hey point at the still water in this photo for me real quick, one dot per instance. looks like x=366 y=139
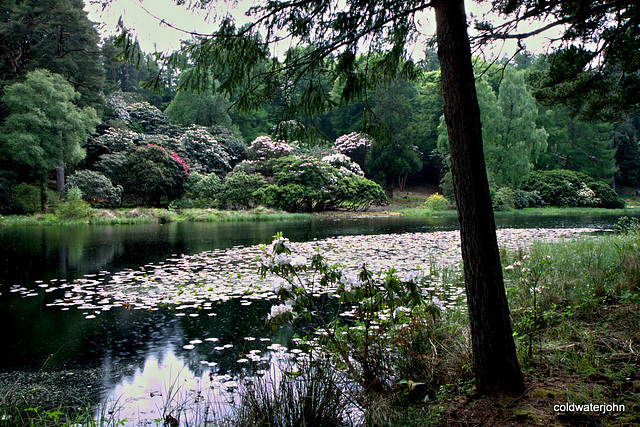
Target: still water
x=42 y=324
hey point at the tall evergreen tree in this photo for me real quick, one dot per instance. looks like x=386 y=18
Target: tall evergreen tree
x=55 y=35
x=577 y=145
x=394 y=154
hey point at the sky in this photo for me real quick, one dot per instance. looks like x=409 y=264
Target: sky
x=145 y=18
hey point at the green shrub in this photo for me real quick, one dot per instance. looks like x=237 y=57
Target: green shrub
x=572 y=189
x=437 y=202
x=96 y=188
x=74 y=207
x=608 y=198
x=307 y=184
x=502 y=199
x=9 y=204
x=239 y=188
x=201 y=191
x=154 y=174
x=527 y=199
x=112 y=166
x=28 y=196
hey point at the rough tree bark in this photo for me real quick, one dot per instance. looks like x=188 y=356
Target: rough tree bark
x=494 y=354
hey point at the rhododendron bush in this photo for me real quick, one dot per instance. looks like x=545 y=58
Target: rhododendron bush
x=355 y=145
x=263 y=147
x=305 y=184
x=154 y=175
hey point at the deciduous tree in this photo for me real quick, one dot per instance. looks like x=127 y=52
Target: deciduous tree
x=45 y=129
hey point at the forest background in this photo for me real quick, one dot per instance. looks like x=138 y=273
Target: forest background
x=92 y=124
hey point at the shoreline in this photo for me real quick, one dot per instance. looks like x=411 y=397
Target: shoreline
x=162 y=215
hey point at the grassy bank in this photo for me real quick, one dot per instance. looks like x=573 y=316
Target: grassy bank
x=158 y=215
x=549 y=211
x=152 y=215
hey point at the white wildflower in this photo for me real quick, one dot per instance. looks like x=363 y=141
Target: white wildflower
x=279 y=310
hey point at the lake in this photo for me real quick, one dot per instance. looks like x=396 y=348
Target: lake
x=147 y=306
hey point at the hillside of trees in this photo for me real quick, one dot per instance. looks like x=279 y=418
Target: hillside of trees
x=75 y=112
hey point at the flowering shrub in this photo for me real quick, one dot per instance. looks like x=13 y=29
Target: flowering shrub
x=339 y=160
x=95 y=187
x=145 y=118
x=437 y=202
x=115 y=140
x=355 y=145
x=379 y=303
x=569 y=188
x=153 y=173
x=205 y=151
x=263 y=147
x=353 y=141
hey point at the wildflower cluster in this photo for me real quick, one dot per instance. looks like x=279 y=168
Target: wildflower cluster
x=263 y=147
x=352 y=141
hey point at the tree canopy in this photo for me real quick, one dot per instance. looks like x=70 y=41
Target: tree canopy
x=45 y=129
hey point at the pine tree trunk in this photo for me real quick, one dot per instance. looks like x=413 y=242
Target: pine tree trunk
x=494 y=355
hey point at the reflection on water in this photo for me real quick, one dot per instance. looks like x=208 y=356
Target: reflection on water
x=165 y=386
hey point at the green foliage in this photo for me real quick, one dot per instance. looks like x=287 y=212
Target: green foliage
x=111 y=165
x=503 y=199
x=309 y=393
x=625 y=137
x=394 y=154
x=627 y=225
x=567 y=188
x=592 y=88
x=239 y=189
x=204 y=109
x=8 y=202
x=437 y=202
x=577 y=145
x=44 y=129
x=527 y=199
x=307 y=184
x=511 y=139
x=74 y=207
x=28 y=196
x=96 y=188
x=154 y=174
x=201 y=191
x=55 y=35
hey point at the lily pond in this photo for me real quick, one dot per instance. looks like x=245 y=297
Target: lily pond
x=143 y=317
